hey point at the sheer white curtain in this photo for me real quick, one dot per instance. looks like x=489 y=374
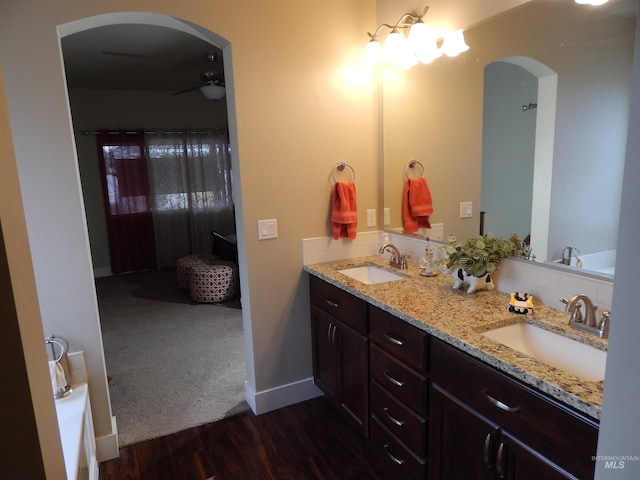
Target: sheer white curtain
x=190 y=180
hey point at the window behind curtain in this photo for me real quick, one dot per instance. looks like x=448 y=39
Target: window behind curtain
x=191 y=180
x=123 y=167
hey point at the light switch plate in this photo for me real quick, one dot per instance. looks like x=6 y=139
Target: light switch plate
x=267 y=229
x=371 y=217
x=466 y=209
x=387 y=216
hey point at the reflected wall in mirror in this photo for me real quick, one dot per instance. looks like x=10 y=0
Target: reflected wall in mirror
x=434 y=114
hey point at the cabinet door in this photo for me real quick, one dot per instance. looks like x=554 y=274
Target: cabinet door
x=463 y=444
x=326 y=358
x=354 y=375
x=340 y=366
x=517 y=461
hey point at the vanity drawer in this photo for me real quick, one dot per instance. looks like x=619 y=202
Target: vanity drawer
x=405 y=384
x=342 y=305
x=398 y=462
x=553 y=429
x=400 y=339
x=399 y=420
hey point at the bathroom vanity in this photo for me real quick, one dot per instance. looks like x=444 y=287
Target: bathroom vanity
x=407 y=363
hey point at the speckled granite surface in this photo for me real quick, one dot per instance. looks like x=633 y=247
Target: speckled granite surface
x=459 y=318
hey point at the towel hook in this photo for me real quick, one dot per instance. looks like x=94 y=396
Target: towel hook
x=412 y=164
x=340 y=167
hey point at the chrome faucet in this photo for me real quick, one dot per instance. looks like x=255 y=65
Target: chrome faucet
x=397 y=259
x=587 y=322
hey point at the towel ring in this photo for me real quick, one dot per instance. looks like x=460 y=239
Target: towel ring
x=412 y=164
x=340 y=167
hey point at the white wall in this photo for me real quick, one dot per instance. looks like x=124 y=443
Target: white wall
x=620 y=422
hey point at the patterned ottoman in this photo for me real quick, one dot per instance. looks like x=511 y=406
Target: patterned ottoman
x=184 y=264
x=212 y=282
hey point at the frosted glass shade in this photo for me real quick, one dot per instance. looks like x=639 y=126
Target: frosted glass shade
x=454 y=43
x=373 y=54
x=213 y=92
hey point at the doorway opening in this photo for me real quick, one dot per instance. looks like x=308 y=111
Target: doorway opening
x=120 y=76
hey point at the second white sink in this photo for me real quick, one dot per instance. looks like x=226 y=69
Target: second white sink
x=581 y=360
x=371 y=274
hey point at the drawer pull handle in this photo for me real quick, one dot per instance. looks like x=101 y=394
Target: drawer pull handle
x=397 y=383
x=487 y=451
x=499 y=404
x=332 y=303
x=394 y=459
x=394 y=420
x=500 y=462
x=393 y=339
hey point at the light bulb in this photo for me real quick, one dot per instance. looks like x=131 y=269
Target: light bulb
x=418 y=34
x=373 y=54
x=394 y=45
x=454 y=43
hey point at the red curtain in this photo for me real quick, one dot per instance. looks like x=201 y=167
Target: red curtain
x=125 y=182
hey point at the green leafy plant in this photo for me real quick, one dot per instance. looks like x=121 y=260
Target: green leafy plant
x=479 y=255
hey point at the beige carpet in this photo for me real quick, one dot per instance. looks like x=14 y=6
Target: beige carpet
x=173 y=365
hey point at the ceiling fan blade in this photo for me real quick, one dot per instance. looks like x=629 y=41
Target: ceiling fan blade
x=186 y=90
x=125 y=54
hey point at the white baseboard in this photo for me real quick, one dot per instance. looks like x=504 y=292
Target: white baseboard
x=282 y=396
x=107 y=445
x=102 y=272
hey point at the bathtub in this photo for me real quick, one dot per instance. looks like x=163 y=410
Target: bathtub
x=75 y=424
x=600 y=262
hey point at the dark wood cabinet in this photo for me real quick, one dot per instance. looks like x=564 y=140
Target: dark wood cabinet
x=434 y=411
x=487 y=425
x=340 y=351
x=398 y=369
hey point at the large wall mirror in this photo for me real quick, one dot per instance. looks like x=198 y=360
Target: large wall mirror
x=558 y=69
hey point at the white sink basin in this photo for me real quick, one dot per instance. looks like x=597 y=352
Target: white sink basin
x=581 y=360
x=370 y=274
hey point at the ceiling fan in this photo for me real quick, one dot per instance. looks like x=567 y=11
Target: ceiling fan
x=210 y=86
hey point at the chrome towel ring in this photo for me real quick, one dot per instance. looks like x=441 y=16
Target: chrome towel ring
x=413 y=164
x=340 y=167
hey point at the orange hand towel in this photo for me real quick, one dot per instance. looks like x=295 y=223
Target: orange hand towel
x=416 y=205
x=344 y=211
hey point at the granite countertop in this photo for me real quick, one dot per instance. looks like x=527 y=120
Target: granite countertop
x=459 y=318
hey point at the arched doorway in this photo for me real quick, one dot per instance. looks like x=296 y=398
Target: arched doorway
x=540 y=134
x=140 y=21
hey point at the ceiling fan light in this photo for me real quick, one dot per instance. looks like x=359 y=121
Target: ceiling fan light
x=213 y=92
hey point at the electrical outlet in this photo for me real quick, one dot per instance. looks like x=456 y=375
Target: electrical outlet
x=371 y=217
x=387 y=216
x=267 y=229
x=466 y=209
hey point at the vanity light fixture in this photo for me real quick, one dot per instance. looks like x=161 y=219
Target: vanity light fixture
x=419 y=45
x=595 y=3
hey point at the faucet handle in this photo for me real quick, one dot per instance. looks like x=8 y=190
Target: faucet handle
x=403 y=260
x=603 y=327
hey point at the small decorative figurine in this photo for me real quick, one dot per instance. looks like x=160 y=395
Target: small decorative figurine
x=461 y=277
x=521 y=302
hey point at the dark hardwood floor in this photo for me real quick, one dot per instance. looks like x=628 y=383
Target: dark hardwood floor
x=309 y=440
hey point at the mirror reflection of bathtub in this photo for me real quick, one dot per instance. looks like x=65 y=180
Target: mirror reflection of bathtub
x=603 y=263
